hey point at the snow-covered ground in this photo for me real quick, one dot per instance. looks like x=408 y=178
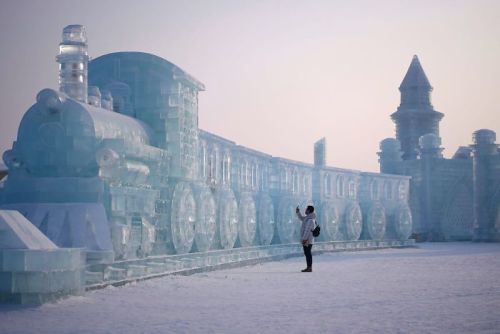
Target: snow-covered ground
x=435 y=288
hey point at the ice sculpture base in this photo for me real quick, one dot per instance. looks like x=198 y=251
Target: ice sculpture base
x=38 y=276
x=99 y=256
x=123 y=272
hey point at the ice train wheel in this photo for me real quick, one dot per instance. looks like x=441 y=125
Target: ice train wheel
x=206 y=214
x=353 y=222
x=403 y=223
x=288 y=223
x=329 y=222
x=183 y=217
x=265 y=220
x=227 y=219
x=247 y=220
x=375 y=222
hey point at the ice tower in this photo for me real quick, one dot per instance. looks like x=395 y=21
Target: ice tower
x=450 y=199
x=73 y=60
x=415 y=115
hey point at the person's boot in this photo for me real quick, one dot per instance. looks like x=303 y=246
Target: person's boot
x=307 y=270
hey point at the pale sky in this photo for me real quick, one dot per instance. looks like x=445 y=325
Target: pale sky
x=279 y=74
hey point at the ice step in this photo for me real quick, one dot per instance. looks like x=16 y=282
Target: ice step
x=93 y=277
x=173 y=265
x=134 y=270
x=188 y=263
x=157 y=267
x=116 y=274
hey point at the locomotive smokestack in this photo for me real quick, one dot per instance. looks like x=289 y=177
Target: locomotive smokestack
x=73 y=62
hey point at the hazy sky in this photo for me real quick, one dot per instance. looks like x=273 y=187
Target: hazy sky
x=279 y=74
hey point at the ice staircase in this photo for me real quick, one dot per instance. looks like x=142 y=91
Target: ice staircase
x=126 y=271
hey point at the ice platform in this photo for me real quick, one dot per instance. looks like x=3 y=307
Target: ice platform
x=127 y=271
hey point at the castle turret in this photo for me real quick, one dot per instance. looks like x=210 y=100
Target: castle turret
x=415 y=115
x=389 y=155
x=430 y=146
x=106 y=100
x=73 y=60
x=485 y=150
x=94 y=98
x=320 y=153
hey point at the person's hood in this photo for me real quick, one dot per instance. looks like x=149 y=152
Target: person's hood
x=311 y=215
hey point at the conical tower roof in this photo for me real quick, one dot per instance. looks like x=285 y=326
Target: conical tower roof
x=415 y=76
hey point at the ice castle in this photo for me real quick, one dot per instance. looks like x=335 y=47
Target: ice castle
x=450 y=199
x=120 y=182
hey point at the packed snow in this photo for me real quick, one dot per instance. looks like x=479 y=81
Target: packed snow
x=434 y=288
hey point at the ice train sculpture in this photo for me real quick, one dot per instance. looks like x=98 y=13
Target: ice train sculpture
x=122 y=169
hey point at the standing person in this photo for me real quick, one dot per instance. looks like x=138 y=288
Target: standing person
x=307 y=238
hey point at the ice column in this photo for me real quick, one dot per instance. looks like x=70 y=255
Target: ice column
x=320 y=152
x=106 y=100
x=94 y=96
x=389 y=155
x=73 y=60
x=485 y=150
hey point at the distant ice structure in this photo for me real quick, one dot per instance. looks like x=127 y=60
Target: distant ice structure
x=122 y=169
x=451 y=199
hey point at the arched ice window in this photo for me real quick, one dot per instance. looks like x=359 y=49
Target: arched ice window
x=226 y=168
x=295 y=181
x=402 y=191
x=388 y=190
x=212 y=167
x=340 y=186
x=352 y=189
x=203 y=160
x=327 y=184
x=374 y=191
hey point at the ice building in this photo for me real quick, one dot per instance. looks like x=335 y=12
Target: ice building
x=121 y=168
x=450 y=199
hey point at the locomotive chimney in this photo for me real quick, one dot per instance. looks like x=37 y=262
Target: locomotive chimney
x=73 y=62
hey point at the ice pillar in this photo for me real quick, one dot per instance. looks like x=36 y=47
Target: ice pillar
x=484 y=149
x=73 y=62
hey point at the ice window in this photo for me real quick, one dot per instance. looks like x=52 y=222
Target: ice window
x=374 y=189
x=388 y=190
x=328 y=184
x=340 y=186
x=402 y=191
x=352 y=189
